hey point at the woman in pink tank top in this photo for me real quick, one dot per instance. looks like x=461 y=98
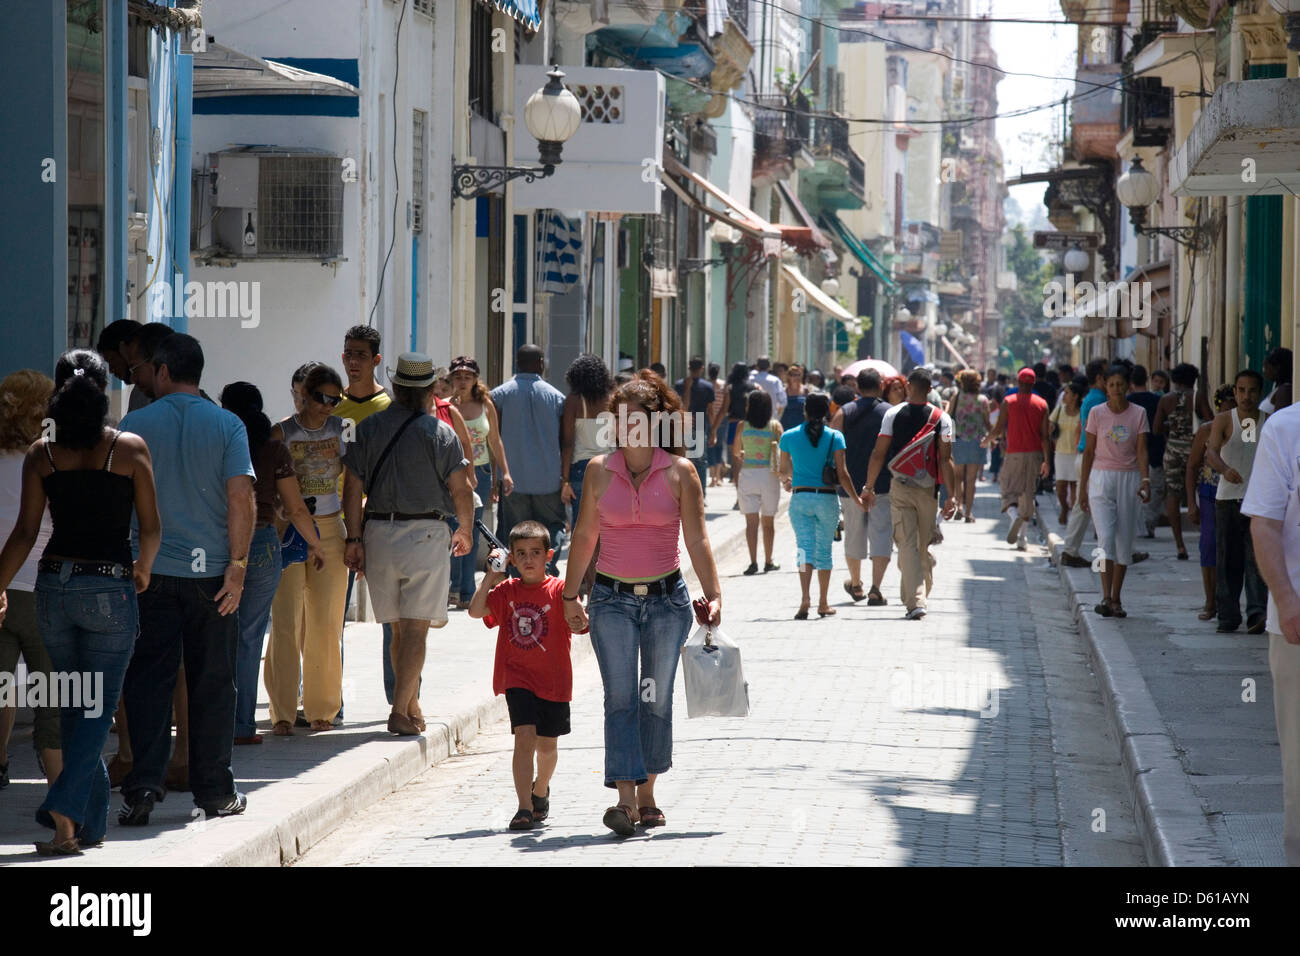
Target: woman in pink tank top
x=636 y=501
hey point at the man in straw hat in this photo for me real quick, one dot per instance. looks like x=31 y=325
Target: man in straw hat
x=411 y=468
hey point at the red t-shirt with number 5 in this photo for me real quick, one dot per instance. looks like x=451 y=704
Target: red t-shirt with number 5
x=533 y=639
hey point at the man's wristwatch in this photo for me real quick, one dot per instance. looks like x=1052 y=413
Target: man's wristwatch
x=240 y=562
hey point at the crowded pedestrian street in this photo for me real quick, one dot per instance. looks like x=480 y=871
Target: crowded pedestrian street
x=762 y=434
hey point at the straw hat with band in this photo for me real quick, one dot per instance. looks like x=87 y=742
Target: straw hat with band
x=414 y=370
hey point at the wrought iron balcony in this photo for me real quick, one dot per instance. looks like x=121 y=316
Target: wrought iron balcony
x=781 y=128
x=1148 y=110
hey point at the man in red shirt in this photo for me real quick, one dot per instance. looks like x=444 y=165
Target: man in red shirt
x=1029 y=448
x=533 y=668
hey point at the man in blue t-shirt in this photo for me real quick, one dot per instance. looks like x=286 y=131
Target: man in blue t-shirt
x=697 y=395
x=530 y=410
x=204 y=478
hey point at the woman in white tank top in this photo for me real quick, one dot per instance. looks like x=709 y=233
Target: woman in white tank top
x=584 y=433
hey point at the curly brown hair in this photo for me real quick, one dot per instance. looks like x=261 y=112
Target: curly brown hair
x=969 y=381
x=24 y=403
x=650 y=393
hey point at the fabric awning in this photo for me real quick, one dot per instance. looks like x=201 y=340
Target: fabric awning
x=819 y=299
x=525 y=11
x=734 y=213
x=860 y=250
x=953 y=349
x=221 y=71
x=805 y=237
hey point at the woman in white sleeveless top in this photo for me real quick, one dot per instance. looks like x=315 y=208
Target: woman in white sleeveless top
x=1230 y=450
x=585 y=431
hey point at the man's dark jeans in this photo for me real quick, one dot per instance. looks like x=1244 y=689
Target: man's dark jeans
x=178 y=618
x=1236 y=566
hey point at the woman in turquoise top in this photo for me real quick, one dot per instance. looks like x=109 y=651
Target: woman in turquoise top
x=758 y=487
x=814 y=505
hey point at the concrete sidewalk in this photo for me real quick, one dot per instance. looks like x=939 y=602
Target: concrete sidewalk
x=302 y=787
x=1193 y=709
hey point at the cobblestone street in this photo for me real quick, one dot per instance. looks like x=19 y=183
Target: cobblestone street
x=973 y=737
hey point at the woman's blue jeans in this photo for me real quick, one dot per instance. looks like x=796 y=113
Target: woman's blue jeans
x=89 y=625
x=638 y=704
x=260 y=582
x=462 y=568
x=577 y=471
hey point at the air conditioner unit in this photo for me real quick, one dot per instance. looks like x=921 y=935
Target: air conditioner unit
x=275 y=202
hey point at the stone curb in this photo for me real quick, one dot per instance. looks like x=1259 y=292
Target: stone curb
x=1169 y=816
x=370 y=780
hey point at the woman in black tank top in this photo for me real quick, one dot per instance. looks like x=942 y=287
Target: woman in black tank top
x=93 y=478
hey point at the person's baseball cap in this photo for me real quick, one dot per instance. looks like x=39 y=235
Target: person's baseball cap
x=1027 y=376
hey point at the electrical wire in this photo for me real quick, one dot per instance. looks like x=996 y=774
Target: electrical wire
x=397 y=182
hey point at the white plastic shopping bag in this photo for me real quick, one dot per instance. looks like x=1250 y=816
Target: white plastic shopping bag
x=715 y=683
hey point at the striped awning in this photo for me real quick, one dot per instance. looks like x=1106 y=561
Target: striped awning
x=525 y=11
x=861 y=251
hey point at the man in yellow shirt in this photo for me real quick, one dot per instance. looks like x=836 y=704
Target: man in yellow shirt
x=363 y=397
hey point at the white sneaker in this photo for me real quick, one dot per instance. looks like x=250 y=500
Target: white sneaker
x=916 y=614
x=1022 y=544
x=1014 y=533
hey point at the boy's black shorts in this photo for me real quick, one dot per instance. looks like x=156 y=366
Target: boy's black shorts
x=550 y=717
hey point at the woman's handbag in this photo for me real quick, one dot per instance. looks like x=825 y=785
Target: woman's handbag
x=830 y=474
x=293 y=546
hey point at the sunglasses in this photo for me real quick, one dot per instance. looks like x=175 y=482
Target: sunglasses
x=330 y=400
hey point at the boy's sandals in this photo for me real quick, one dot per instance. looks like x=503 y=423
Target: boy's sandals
x=619 y=819
x=282 y=728
x=541 y=805
x=652 y=817
x=522 y=820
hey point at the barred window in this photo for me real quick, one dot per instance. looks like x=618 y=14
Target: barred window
x=300 y=206
x=417 y=171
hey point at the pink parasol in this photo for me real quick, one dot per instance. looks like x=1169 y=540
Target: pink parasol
x=884 y=368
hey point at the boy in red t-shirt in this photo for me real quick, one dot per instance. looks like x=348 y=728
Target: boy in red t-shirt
x=533 y=668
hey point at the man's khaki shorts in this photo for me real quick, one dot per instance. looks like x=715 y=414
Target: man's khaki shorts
x=408 y=570
x=867 y=533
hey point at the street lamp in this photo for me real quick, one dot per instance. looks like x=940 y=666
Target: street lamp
x=1137 y=189
x=552 y=115
x=1290 y=9
x=1075 y=260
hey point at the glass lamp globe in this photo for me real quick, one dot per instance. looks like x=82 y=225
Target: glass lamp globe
x=1137 y=188
x=1075 y=260
x=552 y=115
x=831 y=286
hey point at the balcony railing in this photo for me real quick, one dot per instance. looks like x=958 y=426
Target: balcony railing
x=831 y=136
x=1148 y=110
x=781 y=128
